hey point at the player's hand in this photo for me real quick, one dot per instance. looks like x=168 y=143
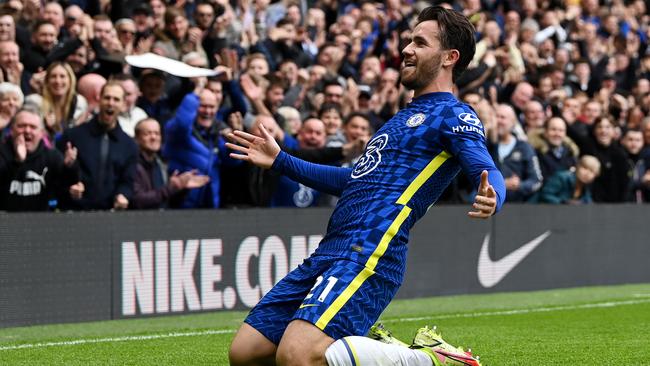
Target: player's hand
x=485 y=202
x=260 y=151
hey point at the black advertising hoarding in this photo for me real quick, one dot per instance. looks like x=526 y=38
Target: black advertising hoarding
x=202 y=260
x=96 y=266
x=54 y=268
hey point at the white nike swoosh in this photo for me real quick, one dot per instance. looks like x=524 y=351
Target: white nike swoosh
x=492 y=272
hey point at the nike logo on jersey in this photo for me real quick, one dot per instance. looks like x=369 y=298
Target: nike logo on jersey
x=492 y=272
x=306 y=305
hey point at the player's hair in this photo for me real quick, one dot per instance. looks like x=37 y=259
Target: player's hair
x=456 y=32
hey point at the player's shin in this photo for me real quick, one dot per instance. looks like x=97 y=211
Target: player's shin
x=362 y=351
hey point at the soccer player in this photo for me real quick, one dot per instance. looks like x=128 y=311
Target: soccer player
x=317 y=314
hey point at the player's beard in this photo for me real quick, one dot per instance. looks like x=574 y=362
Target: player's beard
x=425 y=72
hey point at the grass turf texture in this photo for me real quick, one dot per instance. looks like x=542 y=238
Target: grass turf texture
x=584 y=326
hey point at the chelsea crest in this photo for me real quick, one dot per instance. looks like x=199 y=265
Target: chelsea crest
x=416 y=120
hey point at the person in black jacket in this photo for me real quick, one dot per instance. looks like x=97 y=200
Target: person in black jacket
x=31 y=175
x=613 y=182
x=44 y=40
x=107 y=155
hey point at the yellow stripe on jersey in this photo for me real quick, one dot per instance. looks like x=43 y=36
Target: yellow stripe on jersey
x=388 y=236
x=366 y=272
x=424 y=175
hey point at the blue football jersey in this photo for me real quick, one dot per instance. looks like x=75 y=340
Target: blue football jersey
x=405 y=168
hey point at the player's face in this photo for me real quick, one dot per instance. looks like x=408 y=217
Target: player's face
x=422 y=57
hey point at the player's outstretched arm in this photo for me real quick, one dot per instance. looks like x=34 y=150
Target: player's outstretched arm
x=265 y=152
x=260 y=151
x=485 y=201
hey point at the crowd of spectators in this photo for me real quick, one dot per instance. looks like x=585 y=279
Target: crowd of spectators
x=562 y=89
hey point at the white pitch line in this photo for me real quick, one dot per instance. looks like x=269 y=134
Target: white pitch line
x=229 y=331
x=520 y=311
x=77 y=342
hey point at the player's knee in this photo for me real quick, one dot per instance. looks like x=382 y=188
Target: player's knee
x=242 y=353
x=292 y=354
x=250 y=347
x=238 y=355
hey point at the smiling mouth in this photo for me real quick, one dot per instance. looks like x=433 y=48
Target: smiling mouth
x=408 y=63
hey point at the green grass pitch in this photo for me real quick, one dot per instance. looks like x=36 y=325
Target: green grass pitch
x=584 y=326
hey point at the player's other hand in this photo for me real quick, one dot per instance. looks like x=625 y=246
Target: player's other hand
x=485 y=202
x=260 y=151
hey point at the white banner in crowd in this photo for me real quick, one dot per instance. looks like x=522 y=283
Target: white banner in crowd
x=177 y=68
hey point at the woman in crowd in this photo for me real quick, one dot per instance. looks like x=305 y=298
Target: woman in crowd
x=59 y=102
